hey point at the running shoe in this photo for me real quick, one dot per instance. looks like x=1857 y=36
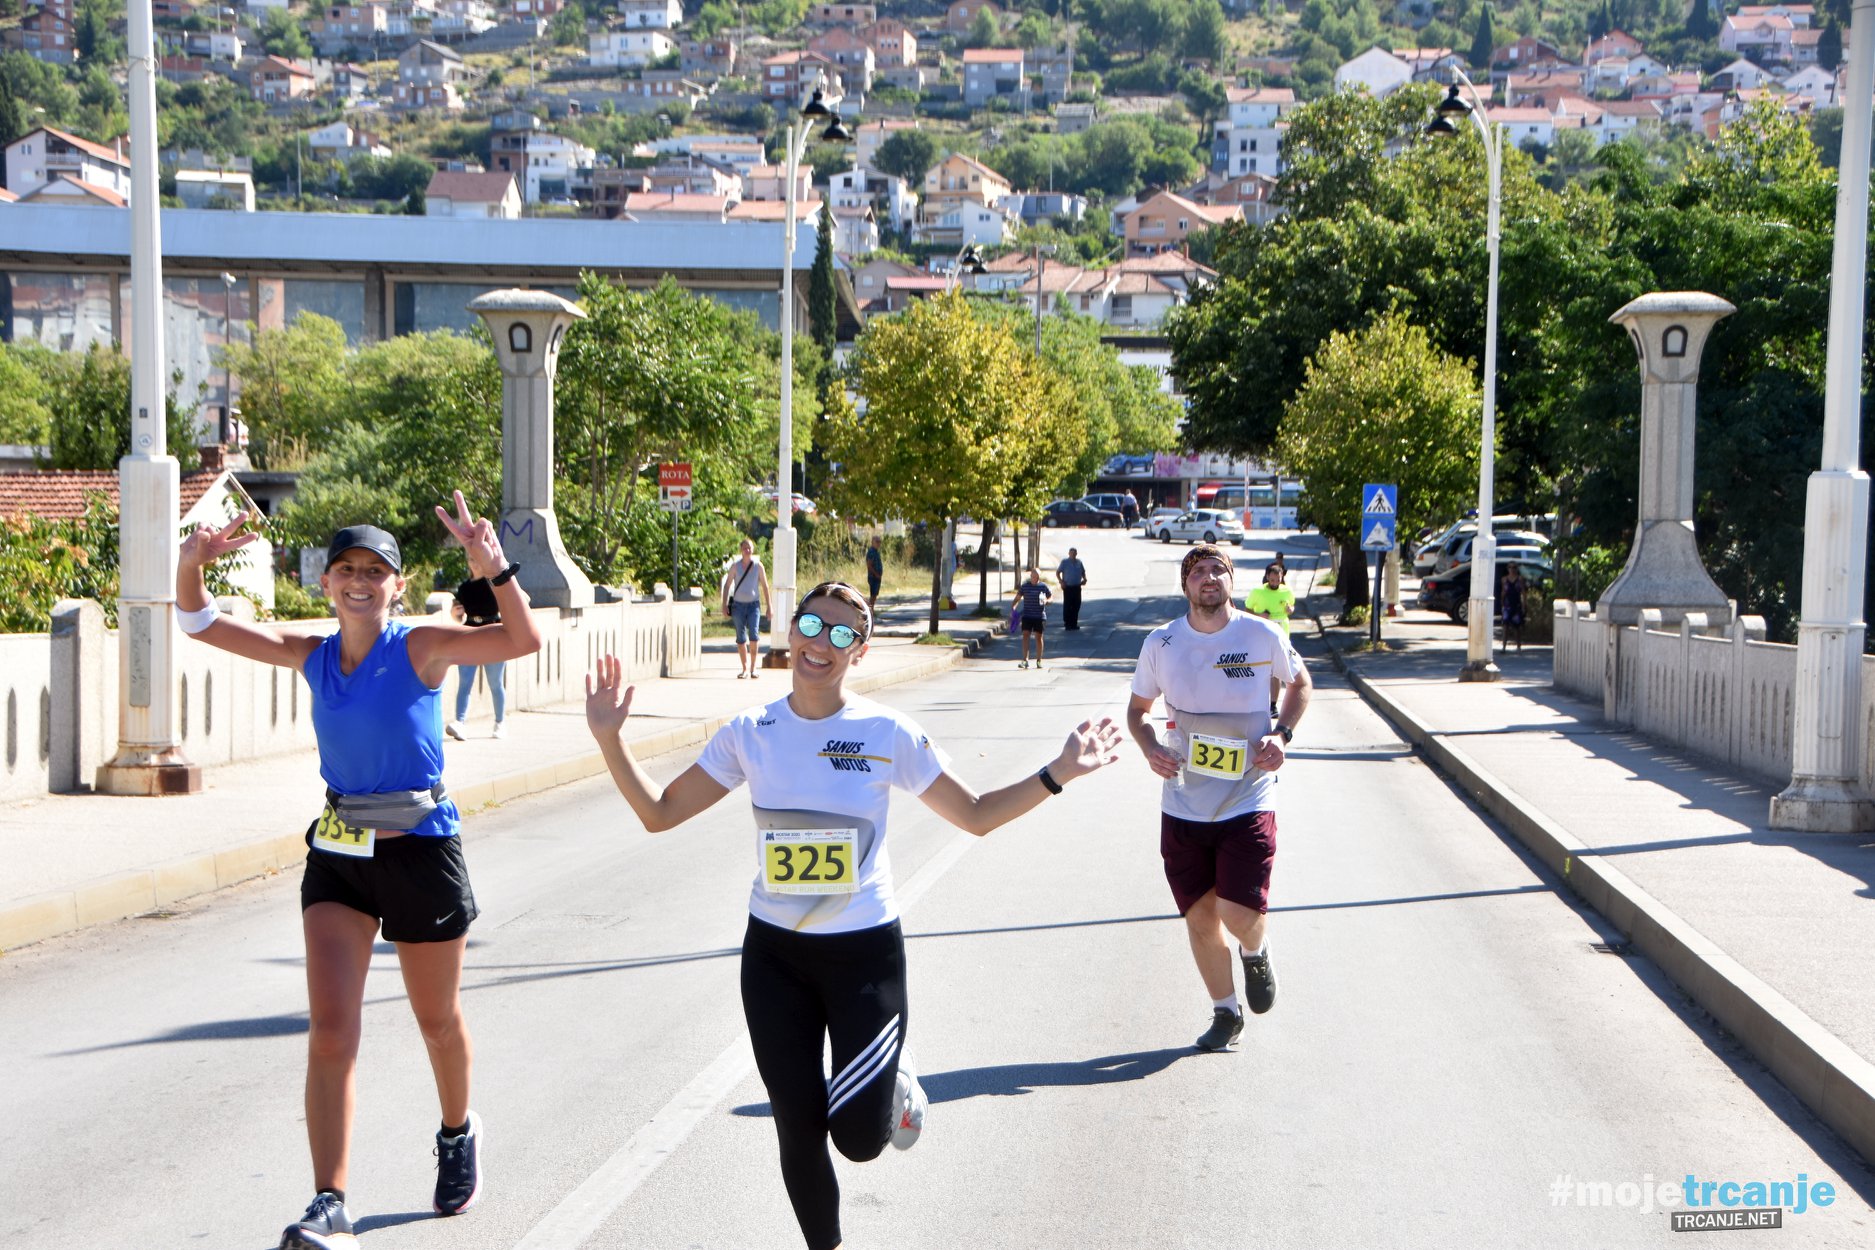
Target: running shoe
x=324 y=1220
x=459 y=1169
x=1259 y=981
x=454 y=729
x=912 y=1105
x=1024 y=664
x=501 y=730
x=1226 y=1028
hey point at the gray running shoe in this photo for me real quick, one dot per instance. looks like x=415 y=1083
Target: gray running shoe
x=324 y=1220
x=1259 y=981
x=912 y=1104
x=1226 y=1028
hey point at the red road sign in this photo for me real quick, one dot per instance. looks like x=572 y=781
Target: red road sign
x=673 y=475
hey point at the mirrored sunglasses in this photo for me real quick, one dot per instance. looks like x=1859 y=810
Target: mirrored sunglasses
x=841 y=636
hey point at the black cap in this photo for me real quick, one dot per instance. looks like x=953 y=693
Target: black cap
x=368 y=537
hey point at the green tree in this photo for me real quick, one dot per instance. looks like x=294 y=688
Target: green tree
x=281 y=35
x=650 y=376
x=1484 y=42
x=25 y=419
x=1828 y=45
x=822 y=306
x=907 y=154
x=985 y=32
x=294 y=389
x=87 y=398
x=1381 y=405
x=12 y=120
x=1206 y=35
x=961 y=419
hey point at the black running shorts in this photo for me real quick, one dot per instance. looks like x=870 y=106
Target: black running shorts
x=417 y=888
x=1234 y=856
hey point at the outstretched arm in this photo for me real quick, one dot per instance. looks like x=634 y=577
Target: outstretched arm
x=435 y=648
x=1092 y=745
x=262 y=643
x=608 y=704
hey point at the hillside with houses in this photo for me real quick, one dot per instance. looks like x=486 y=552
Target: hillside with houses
x=1087 y=157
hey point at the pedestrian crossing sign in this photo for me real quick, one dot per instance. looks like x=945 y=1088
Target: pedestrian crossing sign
x=1377 y=533
x=1380 y=499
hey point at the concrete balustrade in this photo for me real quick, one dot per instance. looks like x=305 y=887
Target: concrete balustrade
x=1727 y=695
x=58 y=691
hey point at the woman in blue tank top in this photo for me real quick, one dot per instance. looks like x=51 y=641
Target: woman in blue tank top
x=384 y=852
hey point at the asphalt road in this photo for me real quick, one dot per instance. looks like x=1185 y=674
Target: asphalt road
x=1448 y=1043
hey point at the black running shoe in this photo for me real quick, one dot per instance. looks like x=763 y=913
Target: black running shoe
x=459 y=1169
x=1226 y=1028
x=325 y=1219
x=1259 y=981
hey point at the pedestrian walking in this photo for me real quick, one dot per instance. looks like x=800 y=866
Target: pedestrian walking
x=385 y=854
x=1510 y=604
x=875 y=573
x=823 y=959
x=1033 y=596
x=1219 y=759
x=745 y=598
x=1072 y=575
x=476 y=607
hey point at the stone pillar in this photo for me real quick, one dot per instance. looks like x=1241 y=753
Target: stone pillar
x=528 y=327
x=1664 y=571
x=80 y=709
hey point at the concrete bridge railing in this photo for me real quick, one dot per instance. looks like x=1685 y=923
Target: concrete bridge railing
x=1727 y=695
x=59 y=691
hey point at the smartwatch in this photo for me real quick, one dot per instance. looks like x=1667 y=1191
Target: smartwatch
x=1286 y=732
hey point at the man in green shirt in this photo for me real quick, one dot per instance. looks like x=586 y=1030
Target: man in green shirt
x=1272 y=601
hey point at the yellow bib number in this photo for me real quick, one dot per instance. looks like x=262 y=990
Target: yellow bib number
x=334 y=835
x=810 y=861
x=1218 y=757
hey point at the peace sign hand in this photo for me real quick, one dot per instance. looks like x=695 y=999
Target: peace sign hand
x=477 y=536
x=206 y=544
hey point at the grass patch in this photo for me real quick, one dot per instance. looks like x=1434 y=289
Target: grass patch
x=936 y=640
x=1356 y=615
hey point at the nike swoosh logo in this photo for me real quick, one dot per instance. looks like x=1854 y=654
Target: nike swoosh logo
x=446 y=915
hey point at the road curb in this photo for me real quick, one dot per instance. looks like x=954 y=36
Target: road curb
x=118 y=896
x=1833 y=1081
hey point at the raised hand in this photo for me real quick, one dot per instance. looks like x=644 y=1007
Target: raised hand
x=607 y=705
x=206 y=544
x=1092 y=745
x=478 y=539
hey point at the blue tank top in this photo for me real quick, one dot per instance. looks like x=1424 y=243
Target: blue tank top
x=380 y=728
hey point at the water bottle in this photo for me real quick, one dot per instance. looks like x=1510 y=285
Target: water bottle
x=1175 y=742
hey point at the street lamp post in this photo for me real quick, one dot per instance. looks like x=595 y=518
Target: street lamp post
x=227 y=361
x=1480 y=608
x=781 y=599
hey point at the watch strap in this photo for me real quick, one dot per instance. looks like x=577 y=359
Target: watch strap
x=506 y=575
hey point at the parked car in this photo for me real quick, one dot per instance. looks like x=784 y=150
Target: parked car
x=1125 y=505
x=1067 y=512
x=801 y=502
x=1426 y=552
x=1208 y=525
x=1449 y=592
x=1128 y=466
x=1457 y=549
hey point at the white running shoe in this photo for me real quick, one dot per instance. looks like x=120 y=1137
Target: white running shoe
x=501 y=730
x=912 y=1105
x=455 y=730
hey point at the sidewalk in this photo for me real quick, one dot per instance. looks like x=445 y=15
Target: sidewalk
x=74 y=860
x=1772 y=933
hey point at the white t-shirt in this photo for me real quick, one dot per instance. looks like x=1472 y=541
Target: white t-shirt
x=1225 y=675
x=834 y=776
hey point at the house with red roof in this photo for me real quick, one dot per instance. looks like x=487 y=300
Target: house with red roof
x=46 y=154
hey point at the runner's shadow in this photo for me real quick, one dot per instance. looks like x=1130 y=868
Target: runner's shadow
x=1013 y=1079
x=391 y=1219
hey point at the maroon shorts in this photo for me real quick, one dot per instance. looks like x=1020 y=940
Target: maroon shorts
x=1232 y=856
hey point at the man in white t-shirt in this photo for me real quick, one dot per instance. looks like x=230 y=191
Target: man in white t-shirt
x=1217 y=828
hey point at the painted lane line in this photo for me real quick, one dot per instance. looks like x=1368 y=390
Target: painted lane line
x=584 y=1211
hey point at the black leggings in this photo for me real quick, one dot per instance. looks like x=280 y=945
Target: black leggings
x=797 y=990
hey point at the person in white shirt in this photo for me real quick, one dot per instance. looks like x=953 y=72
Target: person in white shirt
x=823 y=960
x=1217 y=825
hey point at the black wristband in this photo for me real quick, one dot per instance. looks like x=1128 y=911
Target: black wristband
x=1285 y=732
x=505 y=576
x=1048 y=779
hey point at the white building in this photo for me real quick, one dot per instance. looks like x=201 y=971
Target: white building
x=968 y=222
x=1252 y=132
x=652 y=14
x=41 y=156
x=615 y=48
x=891 y=199
x=1376 y=69
x=477 y=195
x=213 y=188
x=554 y=166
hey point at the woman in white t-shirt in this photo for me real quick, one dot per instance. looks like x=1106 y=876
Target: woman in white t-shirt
x=824 y=959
